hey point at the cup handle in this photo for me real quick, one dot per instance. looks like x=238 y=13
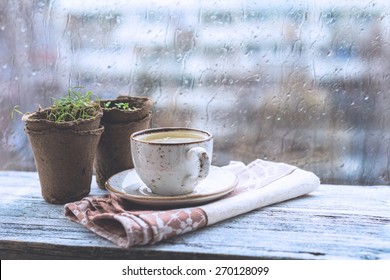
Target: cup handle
x=204 y=164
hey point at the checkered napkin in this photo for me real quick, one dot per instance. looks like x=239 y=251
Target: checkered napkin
x=260 y=183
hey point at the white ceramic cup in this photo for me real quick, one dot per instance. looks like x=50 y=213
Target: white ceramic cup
x=172 y=160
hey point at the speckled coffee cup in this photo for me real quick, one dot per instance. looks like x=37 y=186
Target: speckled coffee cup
x=172 y=160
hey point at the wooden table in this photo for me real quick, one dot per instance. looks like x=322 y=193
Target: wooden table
x=335 y=222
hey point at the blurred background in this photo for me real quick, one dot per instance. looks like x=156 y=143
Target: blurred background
x=303 y=82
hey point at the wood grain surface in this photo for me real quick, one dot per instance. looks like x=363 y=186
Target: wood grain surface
x=335 y=222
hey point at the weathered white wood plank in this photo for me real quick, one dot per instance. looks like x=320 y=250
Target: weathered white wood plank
x=335 y=222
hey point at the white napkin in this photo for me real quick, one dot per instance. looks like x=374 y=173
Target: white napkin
x=260 y=183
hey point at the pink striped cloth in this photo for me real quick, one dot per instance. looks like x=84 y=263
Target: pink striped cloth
x=260 y=183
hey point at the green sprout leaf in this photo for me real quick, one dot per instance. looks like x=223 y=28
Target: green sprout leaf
x=74 y=106
x=119 y=105
x=15 y=110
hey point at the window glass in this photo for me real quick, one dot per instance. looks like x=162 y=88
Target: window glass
x=303 y=82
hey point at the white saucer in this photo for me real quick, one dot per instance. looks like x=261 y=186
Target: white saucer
x=128 y=185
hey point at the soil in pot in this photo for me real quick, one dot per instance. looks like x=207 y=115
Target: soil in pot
x=37 y=121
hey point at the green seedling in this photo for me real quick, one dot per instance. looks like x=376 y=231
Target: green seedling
x=72 y=107
x=15 y=110
x=120 y=105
